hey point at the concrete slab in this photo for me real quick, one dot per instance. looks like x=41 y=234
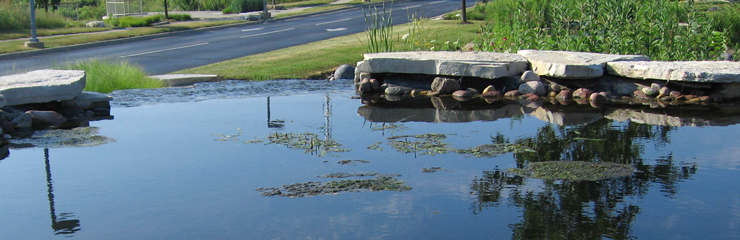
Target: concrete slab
x=573 y=65
x=173 y=80
x=689 y=71
x=459 y=64
x=41 y=86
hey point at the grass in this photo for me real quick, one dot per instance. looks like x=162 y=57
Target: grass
x=58 y=41
x=334 y=52
x=106 y=77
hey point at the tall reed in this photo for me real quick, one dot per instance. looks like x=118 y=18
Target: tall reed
x=649 y=27
x=105 y=77
x=379 y=29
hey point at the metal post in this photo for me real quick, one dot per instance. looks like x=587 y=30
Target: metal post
x=33 y=42
x=33 y=22
x=264 y=5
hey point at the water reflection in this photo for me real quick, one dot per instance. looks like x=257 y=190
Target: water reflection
x=447 y=109
x=64 y=223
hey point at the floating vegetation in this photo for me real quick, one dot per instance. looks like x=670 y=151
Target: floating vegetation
x=391 y=127
x=424 y=144
x=346 y=175
x=574 y=170
x=376 y=146
x=231 y=138
x=352 y=162
x=310 y=142
x=310 y=189
x=492 y=150
x=434 y=169
x=58 y=138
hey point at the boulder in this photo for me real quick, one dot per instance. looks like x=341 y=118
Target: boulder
x=445 y=85
x=44 y=119
x=23 y=121
x=529 y=76
x=689 y=71
x=582 y=93
x=345 y=71
x=564 y=95
x=573 y=65
x=463 y=94
x=94 y=24
x=533 y=87
x=364 y=86
x=41 y=86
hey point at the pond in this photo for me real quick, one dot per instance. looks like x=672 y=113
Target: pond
x=254 y=160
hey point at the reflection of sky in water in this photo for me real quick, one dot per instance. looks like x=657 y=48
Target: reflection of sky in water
x=165 y=177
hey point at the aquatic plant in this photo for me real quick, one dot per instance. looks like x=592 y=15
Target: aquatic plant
x=379 y=29
x=574 y=170
x=310 y=142
x=424 y=144
x=381 y=182
x=58 y=138
x=492 y=150
x=346 y=175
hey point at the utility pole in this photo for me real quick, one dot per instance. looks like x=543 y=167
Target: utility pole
x=463 y=15
x=33 y=42
x=165 y=10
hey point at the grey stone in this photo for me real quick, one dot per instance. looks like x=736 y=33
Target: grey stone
x=394 y=90
x=573 y=65
x=529 y=76
x=487 y=65
x=689 y=71
x=536 y=88
x=345 y=71
x=564 y=94
x=25 y=120
x=88 y=100
x=445 y=85
x=174 y=80
x=94 y=24
x=582 y=93
x=462 y=94
x=730 y=90
x=42 y=86
x=364 y=86
x=43 y=119
x=652 y=92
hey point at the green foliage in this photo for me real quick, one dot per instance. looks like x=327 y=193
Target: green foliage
x=129 y=21
x=187 y=5
x=246 y=5
x=16 y=17
x=92 y=12
x=474 y=13
x=180 y=17
x=106 y=77
x=647 y=27
x=379 y=30
x=727 y=19
x=214 y=5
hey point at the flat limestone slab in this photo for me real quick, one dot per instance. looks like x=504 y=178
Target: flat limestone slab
x=42 y=86
x=174 y=80
x=573 y=65
x=488 y=65
x=688 y=71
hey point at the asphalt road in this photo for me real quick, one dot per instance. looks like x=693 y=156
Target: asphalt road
x=182 y=51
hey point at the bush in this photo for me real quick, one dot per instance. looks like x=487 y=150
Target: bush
x=106 y=77
x=134 y=21
x=647 y=27
x=180 y=17
x=92 y=12
x=187 y=5
x=727 y=19
x=215 y=5
x=246 y=5
x=12 y=18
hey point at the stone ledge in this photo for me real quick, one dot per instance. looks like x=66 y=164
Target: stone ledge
x=174 y=80
x=41 y=86
x=573 y=65
x=688 y=71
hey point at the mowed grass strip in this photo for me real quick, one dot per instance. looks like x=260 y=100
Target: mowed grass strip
x=319 y=59
x=67 y=40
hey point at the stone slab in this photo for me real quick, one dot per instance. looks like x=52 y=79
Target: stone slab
x=89 y=100
x=573 y=65
x=174 y=80
x=41 y=86
x=688 y=71
x=457 y=64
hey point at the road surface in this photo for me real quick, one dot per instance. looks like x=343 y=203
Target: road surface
x=182 y=51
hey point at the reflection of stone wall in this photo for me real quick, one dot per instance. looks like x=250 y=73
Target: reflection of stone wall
x=566 y=118
x=378 y=114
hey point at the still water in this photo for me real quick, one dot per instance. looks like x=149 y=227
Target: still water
x=186 y=162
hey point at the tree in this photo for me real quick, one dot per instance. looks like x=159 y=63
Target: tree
x=45 y=4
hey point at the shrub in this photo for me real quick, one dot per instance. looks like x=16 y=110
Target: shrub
x=186 y=5
x=12 y=18
x=180 y=17
x=92 y=12
x=647 y=27
x=106 y=77
x=214 y=5
x=246 y=5
x=727 y=19
x=129 y=21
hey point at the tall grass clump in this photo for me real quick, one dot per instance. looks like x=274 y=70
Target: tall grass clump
x=379 y=30
x=727 y=19
x=129 y=21
x=17 y=17
x=660 y=29
x=106 y=77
